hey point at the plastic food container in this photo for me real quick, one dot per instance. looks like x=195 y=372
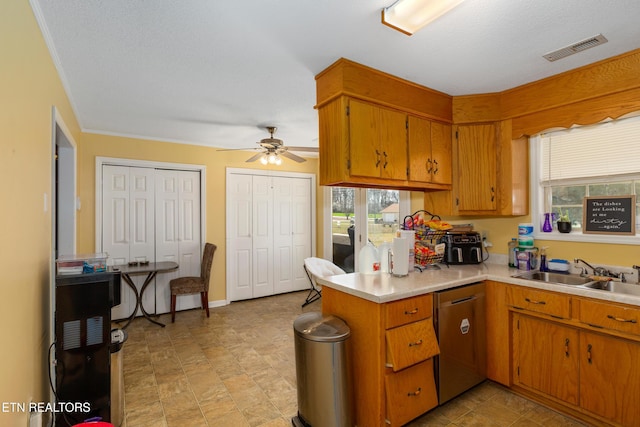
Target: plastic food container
x=561 y=265
x=78 y=264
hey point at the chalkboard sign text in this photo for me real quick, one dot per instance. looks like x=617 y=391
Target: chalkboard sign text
x=609 y=215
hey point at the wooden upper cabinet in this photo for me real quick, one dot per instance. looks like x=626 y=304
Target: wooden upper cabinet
x=429 y=151
x=477 y=165
x=377 y=141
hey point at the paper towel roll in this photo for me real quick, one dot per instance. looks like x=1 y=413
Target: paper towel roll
x=400 y=250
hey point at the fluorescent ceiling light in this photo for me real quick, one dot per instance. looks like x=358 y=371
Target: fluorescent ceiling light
x=408 y=16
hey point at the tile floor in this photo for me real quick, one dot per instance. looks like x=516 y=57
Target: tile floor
x=237 y=368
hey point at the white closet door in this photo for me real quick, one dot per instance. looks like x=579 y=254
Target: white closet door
x=268 y=234
x=262 y=222
x=128 y=225
x=239 y=240
x=177 y=232
x=283 y=234
x=300 y=231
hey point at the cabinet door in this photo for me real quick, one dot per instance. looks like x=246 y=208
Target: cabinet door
x=546 y=357
x=393 y=144
x=420 y=161
x=441 y=153
x=377 y=141
x=364 y=145
x=477 y=168
x=610 y=377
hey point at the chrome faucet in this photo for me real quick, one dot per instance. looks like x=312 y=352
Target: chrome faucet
x=597 y=271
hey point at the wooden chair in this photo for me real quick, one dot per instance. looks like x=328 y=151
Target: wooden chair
x=318 y=267
x=194 y=285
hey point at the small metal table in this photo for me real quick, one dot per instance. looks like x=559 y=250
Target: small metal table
x=150 y=270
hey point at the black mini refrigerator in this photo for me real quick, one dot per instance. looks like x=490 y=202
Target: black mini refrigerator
x=82 y=345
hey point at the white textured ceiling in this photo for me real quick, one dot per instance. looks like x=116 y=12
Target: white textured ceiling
x=214 y=72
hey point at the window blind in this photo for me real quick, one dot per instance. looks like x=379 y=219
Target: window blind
x=602 y=150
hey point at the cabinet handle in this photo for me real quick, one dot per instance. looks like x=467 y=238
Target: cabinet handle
x=435 y=170
x=534 y=302
x=409 y=313
x=493 y=193
x=378 y=158
x=620 y=319
x=385 y=159
x=429 y=166
x=413 y=344
x=589 y=353
x=566 y=347
x=415 y=393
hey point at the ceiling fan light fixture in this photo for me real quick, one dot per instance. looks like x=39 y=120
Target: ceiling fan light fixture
x=408 y=16
x=264 y=160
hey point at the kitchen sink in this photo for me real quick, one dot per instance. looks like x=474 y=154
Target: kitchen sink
x=615 y=287
x=564 y=279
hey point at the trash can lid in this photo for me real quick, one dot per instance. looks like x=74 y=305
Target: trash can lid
x=315 y=326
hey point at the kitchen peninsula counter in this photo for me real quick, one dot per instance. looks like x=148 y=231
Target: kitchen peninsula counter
x=383 y=287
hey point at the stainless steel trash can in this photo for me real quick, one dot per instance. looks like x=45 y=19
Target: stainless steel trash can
x=118 y=338
x=325 y=394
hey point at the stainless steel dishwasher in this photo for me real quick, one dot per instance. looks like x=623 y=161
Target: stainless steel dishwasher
x=460 y=327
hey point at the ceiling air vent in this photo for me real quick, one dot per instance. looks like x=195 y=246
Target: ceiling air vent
x=575 y=48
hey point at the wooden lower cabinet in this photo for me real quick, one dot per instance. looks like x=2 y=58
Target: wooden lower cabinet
x=410 y=393
x=498 y=333
x=610 y=378
x=588 y=361
x=391 y=386
x=546 y=357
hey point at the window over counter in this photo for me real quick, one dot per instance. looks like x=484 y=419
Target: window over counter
x=570 y=166
x=354 y=216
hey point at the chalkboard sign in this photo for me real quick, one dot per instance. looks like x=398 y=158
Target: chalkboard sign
x=609 y=215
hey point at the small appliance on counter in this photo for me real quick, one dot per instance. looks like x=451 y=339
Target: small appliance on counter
x=462 y=247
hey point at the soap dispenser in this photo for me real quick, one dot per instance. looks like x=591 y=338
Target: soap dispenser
x=543 y=259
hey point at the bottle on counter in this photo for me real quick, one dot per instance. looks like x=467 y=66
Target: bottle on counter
x=513 y=244
x=543 y=259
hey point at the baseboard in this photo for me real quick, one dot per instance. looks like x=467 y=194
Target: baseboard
x=218 y=303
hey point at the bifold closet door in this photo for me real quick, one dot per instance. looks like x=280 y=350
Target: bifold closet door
x=268 y=235
x=291 y=232
x=239 y=237
x=177 y=232
x=128 y=225
x=152 y=214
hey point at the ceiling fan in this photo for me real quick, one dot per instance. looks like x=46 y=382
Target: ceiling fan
x=272 y=148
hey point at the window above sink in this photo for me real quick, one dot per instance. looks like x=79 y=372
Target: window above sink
x=568 y=165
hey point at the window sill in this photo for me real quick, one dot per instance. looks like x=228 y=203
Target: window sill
x=577 y=236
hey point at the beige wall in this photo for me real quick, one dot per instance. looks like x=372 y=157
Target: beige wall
x=216 y=163
x=29 y=87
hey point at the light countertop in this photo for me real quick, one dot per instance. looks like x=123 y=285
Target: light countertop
x=383 y=287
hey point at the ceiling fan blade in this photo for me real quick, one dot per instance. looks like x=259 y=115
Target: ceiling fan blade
x=292 y=156
x=254 y=158
x=238 y=149
x=307 y=149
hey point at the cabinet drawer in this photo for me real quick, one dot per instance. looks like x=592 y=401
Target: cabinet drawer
x=408 y=310
x=539 y=301
x=410 y=393
x=410 y=344
x=610 y=316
